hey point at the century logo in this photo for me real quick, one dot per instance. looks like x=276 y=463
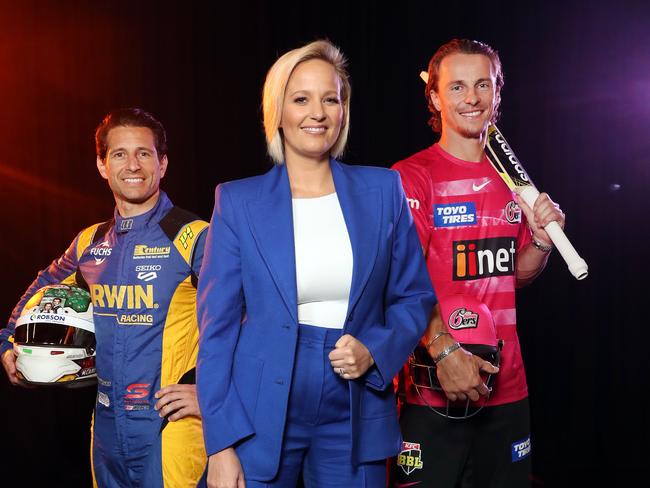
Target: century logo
x=101 y=251
x=512 y=158
x=142 y=251
x=474 y=259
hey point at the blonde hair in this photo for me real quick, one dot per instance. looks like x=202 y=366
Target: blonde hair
x=276 y=84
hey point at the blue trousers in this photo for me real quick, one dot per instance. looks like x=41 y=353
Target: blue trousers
x=317 y=437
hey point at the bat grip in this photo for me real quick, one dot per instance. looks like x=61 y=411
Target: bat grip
x=577 y=266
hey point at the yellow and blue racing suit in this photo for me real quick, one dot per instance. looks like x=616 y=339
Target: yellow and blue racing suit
x=141 y=273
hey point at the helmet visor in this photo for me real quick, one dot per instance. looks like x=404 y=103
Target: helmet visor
x=41 y=333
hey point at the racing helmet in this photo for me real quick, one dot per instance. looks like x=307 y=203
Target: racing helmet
x=54 y=338
x=471 y=324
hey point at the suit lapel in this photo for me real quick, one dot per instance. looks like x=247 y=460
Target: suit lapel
x=361 y=207
x=271 y=222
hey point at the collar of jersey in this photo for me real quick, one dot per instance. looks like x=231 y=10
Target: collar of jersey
x=151 y=217
x=453 y=159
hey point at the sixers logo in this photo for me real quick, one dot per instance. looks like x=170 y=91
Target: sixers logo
x=512 y=212
x=462 y=318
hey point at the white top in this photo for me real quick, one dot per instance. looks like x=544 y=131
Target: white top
x=323 y=261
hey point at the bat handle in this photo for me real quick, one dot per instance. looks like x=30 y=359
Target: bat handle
x=577 y=266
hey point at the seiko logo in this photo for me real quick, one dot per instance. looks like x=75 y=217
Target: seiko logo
x=148 y=267
x=147 y=275
x=413 y=203
x=512 y=158
x=463 y=318
x=484 y=257
x=101 y=251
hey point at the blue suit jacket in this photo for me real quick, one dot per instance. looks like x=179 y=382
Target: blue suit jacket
x=248 y=316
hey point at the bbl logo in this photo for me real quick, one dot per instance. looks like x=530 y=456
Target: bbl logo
x=410 y=458
x=512 y=212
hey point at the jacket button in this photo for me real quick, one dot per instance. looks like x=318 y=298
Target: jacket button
x=279 y=381
x=286 y=326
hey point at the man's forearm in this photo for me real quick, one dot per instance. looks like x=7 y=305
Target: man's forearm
x=530 y=263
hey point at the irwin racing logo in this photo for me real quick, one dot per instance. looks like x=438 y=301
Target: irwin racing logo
x=475 y=259
x=410 y=458
x=101 y=251
x=462 y=318
x=454 y=214
x=124 y=297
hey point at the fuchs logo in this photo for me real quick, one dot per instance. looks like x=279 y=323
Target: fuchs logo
x=454 y=214
x=512 y=212
x=101 y=251
x=462 y=318
x=521 y=449
x=410 y=458
x=512 y=158
x=484 y=257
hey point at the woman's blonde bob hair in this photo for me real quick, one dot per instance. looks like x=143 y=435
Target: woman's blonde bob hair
x=275 y=86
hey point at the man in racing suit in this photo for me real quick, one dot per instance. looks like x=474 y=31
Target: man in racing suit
x=141 y=269
x=477 y=243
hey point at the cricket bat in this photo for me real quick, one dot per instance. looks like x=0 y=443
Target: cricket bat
x=504 y=161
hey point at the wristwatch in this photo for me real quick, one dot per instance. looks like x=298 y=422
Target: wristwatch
x=542 y=247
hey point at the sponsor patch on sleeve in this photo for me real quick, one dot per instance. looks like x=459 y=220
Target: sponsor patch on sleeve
x=521 y=449
x=454 y=214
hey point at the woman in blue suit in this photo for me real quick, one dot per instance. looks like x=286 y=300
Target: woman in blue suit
x=312 y=294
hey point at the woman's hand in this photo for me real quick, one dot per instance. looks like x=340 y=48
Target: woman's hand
x=350 y=358
x=224 y=470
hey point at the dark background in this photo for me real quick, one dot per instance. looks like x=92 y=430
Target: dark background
x=576 y=109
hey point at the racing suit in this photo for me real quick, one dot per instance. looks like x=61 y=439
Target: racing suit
x=141 y=273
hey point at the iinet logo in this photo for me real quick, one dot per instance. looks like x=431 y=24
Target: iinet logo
x=485 y=257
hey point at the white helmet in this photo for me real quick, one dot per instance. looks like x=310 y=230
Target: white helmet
x=54 y=339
